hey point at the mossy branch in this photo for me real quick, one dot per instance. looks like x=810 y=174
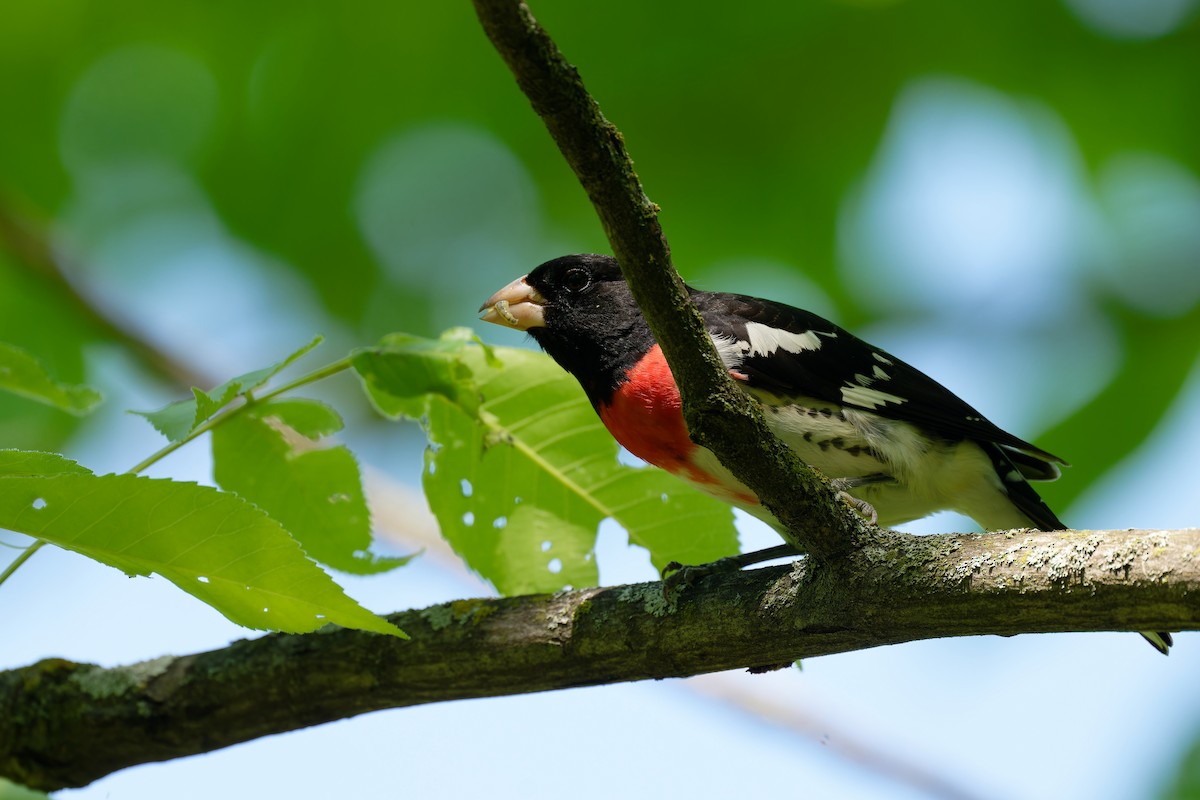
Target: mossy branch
x=66 y=724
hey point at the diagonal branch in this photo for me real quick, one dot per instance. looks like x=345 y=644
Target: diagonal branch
x=26 y=237
x=719 y=415
x=66 y=724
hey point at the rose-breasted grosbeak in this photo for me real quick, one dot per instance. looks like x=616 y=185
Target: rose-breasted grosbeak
x=900 y=444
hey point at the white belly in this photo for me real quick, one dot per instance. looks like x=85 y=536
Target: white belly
x=928 y=475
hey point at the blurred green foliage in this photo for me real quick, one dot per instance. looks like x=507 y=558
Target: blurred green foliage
x=379 y=156
x=1185 y=784
x=315 y=132
x=381 y=153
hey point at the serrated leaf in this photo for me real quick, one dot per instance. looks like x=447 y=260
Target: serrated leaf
x=34 y=462
x=177 y=420
x=211 y=544
x=271 y=455
x=404 y=370
x=174 y=421
x=21 y=373
x=521 y=478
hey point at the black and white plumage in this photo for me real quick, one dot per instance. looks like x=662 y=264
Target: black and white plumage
x=853 y=410
x=900 y=444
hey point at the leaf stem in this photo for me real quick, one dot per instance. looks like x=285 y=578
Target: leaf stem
x=230 y=412
x=21 y=559
x=320 y=373
x=206 y=426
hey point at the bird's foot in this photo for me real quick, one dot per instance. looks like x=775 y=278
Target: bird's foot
x=675 y=576
x=864 y=509
x=843 y=486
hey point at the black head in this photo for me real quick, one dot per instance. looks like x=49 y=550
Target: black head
x=579 y=309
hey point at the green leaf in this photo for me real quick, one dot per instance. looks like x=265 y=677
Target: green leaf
x=211 y=544
x=404 y=369
x=520 y=472
x=271 y=454
x=31 y=462
x=22 y=374
x=177 y=420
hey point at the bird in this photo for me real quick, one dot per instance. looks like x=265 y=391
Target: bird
x=896 y=443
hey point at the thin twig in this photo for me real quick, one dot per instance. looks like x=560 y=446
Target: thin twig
x=232 y=411
x=719 y=415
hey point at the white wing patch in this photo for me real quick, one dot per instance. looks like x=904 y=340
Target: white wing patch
x=730 y=349
x=765 y=340
x=863 y=397
x=877 y=374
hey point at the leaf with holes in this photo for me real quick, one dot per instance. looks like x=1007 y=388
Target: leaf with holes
x=521 y=473
x=400 y=373
x=177 y=420
x=22 y=374
x=273 y=455
x=211 y=544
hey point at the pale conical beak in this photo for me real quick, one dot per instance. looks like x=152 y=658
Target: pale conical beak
x=517 y=305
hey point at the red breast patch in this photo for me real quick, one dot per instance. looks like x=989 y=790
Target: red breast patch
x=646 y=416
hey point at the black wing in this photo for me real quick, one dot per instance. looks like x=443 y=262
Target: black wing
x=793 y=353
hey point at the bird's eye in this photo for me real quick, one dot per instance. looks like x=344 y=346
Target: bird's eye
x=576 y=280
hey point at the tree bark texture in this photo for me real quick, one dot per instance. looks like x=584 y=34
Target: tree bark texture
x=66 y=724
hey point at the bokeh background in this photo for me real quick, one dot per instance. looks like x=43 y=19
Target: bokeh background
x=1004 y=192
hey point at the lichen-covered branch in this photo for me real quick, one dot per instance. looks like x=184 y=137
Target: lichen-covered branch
x=66 y=724
x=719 y=415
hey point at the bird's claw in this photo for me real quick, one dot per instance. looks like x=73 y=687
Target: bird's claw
x=864 y=509
x=843 y=486
x=676 y=576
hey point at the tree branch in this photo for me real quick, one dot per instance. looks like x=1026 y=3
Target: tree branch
x=719 y=415
x=65 y=724
x=25 y=236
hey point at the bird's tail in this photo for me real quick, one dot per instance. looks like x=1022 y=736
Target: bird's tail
x=1029 y=504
